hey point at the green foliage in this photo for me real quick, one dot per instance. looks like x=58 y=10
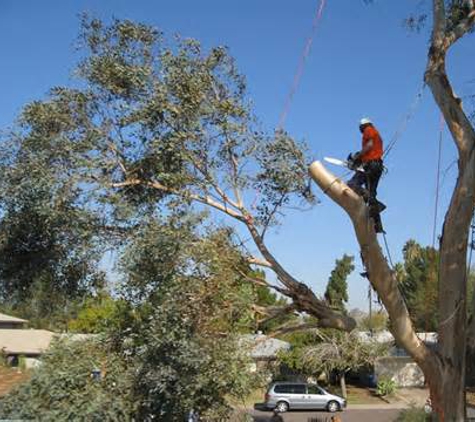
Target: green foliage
x=413 y=414
x=173 y=344
x=418 y=278
x=336 y=293
x=191 y=303
x=385 y=387
x=96 y=315
x=377 y=322
x=62 y=387
x=331 y=350
x=201 y=372
x=294 y=357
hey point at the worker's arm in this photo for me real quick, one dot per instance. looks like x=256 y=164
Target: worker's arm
x=368 y=145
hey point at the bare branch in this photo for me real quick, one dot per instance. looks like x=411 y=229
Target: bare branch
x=438 y=30
x=301 y=295
x=259 y=262
x=207 y=200
x=464 y=26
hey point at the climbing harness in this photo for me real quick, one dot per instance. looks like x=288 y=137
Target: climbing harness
x=301 y=65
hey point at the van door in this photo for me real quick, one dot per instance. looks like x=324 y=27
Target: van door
x=315 y=398
x=298 y=396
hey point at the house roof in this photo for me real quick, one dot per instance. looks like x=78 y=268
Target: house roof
x=263 y=347
x=8 y=318
x=25 y=342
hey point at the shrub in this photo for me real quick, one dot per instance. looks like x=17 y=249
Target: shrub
x=414 y=414
x=386 y=386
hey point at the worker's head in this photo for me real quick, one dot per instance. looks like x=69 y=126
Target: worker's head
x=365 y=122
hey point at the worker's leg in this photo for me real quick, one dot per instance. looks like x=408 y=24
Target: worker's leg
x=374 y=170
x=357 y=183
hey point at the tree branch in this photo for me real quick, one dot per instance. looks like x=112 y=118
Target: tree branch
x=381 y=277
x=463 y=27
x=259 y=262
x=207 y=200
x=301 y=295
x=438 y=30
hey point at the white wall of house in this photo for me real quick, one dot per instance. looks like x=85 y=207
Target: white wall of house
x=403 y=370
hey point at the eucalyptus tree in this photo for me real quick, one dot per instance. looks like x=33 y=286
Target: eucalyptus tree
x=444 y=368
x=158 y=126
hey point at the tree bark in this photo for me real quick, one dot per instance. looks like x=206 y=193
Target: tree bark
x=449 y=391
x=343 y=384
x=380 y=275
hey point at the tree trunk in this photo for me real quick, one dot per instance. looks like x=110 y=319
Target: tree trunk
x=343 y=384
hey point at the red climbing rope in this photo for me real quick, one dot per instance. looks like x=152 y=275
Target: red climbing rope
x=301 y=65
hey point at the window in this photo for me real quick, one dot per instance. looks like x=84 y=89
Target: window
x=290 y=389
x=313 y=389
x=282 y=388
x=298 y=389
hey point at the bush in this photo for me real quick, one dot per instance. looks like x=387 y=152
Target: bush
x=385 y=387
x=414 y=414
x=62 y=388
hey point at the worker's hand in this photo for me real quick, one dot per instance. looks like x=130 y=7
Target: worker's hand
x=354 y=160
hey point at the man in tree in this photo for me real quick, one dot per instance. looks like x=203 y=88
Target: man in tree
x=371 y=159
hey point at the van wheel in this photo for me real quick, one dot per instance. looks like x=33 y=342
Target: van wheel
x=333 y=406
x=282 y=406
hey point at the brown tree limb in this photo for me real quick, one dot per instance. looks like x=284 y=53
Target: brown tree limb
x=301 y=295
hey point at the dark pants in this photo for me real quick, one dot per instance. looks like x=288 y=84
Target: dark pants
x=366 y=183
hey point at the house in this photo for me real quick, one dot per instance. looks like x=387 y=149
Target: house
x=263 y=349
x=398 y=365
x=21 y=346
x=10 y=322
x=27 y=344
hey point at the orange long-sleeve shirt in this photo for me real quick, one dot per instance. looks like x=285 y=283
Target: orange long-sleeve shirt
x=376 y=151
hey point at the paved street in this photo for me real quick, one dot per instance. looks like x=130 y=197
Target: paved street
x=350 y=415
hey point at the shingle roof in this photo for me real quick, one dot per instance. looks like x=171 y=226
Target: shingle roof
x=25 y=342
x=9 y=318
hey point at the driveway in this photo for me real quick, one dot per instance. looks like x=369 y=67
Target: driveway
x=349 y=415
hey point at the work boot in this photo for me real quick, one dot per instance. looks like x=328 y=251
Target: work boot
x=376 y=206
x=378 y=225
x=381 y=206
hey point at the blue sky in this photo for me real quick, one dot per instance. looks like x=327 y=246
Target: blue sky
x=363 y=63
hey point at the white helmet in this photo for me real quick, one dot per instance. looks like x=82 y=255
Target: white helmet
x=365 y=121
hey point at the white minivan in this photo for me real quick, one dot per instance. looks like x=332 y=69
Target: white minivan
x=283 y=396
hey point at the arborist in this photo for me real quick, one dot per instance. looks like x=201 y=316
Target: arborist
x=368 y=166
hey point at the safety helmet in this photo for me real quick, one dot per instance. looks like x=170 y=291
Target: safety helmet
x=365 y=121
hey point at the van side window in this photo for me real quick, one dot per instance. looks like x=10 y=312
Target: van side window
x=298 y=389
x=313 y=389
x=283 y=388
